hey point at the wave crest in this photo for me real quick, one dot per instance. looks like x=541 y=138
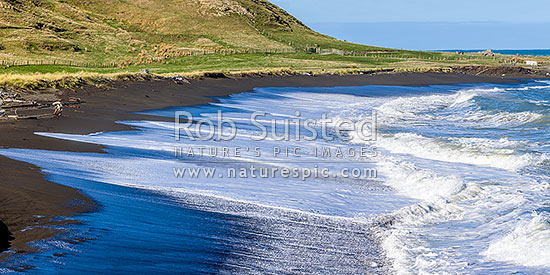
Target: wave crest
x=528 y=244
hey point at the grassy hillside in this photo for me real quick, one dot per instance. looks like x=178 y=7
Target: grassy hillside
x=116 y=30
x=53 y=39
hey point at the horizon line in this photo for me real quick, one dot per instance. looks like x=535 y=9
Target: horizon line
x=431 y=22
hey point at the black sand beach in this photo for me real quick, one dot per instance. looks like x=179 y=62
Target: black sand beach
x=26 y=198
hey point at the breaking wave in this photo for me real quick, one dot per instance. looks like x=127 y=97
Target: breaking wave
x=463 y=182
x=528 y=244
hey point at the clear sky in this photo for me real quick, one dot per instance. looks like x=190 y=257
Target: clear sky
x=357 y=11
x=429 y=24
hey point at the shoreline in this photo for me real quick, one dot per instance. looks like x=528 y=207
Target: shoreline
x=28 y=199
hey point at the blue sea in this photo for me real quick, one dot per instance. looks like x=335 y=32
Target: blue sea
x=540 y=52
x=463 y=186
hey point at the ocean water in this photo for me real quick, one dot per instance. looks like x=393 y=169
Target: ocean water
x=462 y=187
x=538 y=52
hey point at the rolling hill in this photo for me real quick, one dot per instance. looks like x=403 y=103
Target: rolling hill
x=115 y=30
x=61 y=42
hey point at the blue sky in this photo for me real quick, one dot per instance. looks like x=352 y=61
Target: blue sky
x=356 y=11
x=429 y=24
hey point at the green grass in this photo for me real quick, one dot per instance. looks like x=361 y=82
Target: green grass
x=43 y=76
x=118 y=30
x=127 y=33
x=237 y=62
x=246 y=62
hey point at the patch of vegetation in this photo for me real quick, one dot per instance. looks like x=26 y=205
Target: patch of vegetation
x=164 y=36
x=108 y=30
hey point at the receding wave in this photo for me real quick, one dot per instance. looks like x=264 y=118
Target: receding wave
x=528 y=244
x=463 y=182
x=460 y=108
x=477 y=151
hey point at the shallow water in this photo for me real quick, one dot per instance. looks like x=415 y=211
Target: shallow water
x=462 y=188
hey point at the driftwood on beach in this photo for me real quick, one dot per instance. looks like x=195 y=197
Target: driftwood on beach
x=14 y=108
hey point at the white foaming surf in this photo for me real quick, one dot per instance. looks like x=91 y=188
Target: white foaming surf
x=459 y=201
x=477 y=151
x=528 y=244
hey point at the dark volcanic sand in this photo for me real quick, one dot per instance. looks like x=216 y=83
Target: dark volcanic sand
x=26 y=198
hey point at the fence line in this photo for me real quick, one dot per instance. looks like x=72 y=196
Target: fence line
x=144 y=60
x=69 y=63
x=392 y=54
x=181 y=53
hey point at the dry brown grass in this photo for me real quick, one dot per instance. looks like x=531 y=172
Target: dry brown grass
x=68 y=80
x=110 y=30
